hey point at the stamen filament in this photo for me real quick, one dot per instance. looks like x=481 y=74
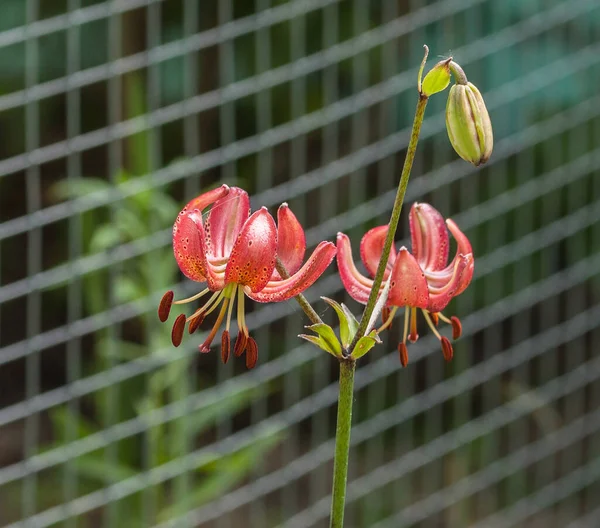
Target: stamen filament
x=388 y=321
x=193 y=297
x=413 y=336
x=444 y=318
x=205 y=347
x=241 y=318
x=431 y=325
x=233 y=297
x=406 y=318
x=216 y=303
x=194 y=315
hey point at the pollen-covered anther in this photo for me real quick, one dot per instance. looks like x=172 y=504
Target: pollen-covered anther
x=225 y=346
x=164 y=307
x=447 y=349
x=251 y=353
x=456 y=327
x=403 y=351
x=196 y=322
x=178 y=329
x=240 y=344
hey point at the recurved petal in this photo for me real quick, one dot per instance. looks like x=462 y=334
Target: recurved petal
x=408 y=285
x=357 y=285
x=371 y=248
x=188 y=245
x=291 y=241
x=252 y=258
x=443 y=286
x=225 y=222
x=281 y=290
x=205 y=199
x=430 y=244
x=463 y=244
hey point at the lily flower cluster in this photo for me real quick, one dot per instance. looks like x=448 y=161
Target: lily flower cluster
x=423 y=280
x=235 y=253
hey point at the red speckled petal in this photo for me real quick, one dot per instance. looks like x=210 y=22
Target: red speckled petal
x=439 y=279
x=225 y=221
x=454 y=283
x=291 y=242
x=430 y=243
x=408 y=286
x=205 y=199
x=281 y=290
x=252 y=259
x=188 y=245
x=371 y=248
x=357 y=285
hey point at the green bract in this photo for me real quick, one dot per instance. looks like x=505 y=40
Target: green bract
x=437 y=79
x=328 y=341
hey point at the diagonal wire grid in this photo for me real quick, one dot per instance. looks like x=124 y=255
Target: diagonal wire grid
x=113 y=113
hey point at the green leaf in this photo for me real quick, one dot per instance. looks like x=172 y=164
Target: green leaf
x=317 y=341
x=105 y=236
x=348 y=323
x=365 y=344
x=77 y=187
x=64 y=419
x=328 y=336
x=351 y=320
x=99 y=469
x=131 y=224
x=127 y=289
x=122 y=350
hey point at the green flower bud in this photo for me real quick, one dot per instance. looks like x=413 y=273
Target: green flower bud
x=468 y=123
x=437 y=79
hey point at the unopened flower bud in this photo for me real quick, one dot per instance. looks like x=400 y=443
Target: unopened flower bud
x=468 y=124
x=437 y=79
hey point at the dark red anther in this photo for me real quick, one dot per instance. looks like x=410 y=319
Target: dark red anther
x=403 y=354
x=447 y=349
x=456 y=327
x=251 y=353
x=225 y=346
x=177 y=331
x=164 y=307
x=435 y=318
x=240 y=344
x=196 y=322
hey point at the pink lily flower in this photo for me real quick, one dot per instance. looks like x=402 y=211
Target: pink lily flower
x=422 y=280
x=235 y=252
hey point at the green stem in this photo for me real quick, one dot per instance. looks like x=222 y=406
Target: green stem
x=342 y=442
x=395 y=217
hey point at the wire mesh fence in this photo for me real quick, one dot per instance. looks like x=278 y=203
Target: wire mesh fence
x=114 y=113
